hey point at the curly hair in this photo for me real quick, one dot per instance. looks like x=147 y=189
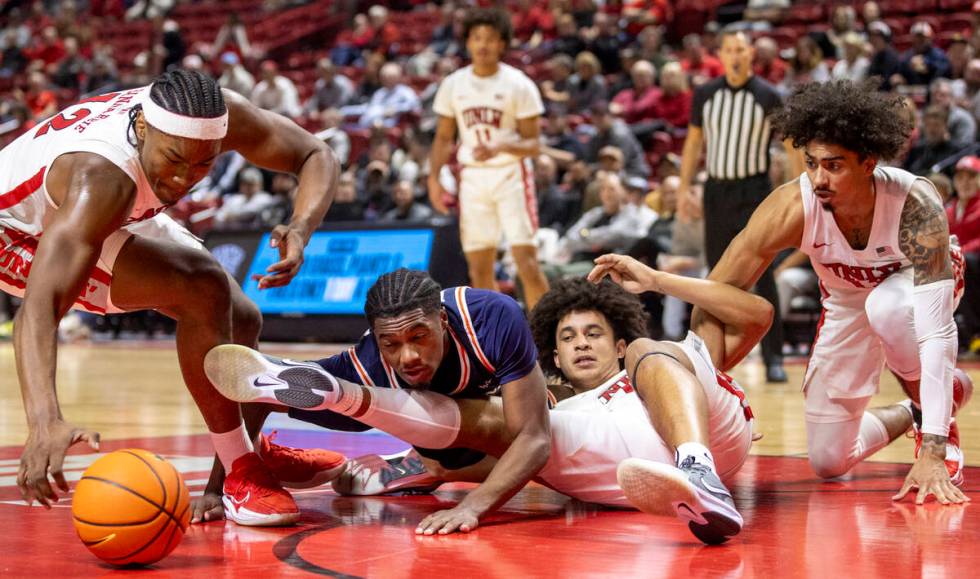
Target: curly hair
x=855 y=116
x=622 y=309
x=495 y=18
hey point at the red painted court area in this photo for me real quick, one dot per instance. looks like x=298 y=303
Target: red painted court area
x=795 y=526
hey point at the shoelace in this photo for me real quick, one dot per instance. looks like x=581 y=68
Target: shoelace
x=296 y=454
x=259 y=477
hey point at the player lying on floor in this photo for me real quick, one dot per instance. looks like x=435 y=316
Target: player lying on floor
x=454 y=343
x=610 y=423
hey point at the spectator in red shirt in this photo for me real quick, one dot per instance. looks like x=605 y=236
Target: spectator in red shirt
x=963 y=214
x=676 y=98
x=48 y=48
x=642 y=13
x=40 y=99
x=767 y=63
x=697 y=63
x=534 y=22
x=386 y=34
x=638 y=104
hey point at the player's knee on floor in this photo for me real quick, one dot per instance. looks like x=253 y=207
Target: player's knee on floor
x=829 y=462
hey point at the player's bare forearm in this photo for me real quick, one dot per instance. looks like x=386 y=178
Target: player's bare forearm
x=519 y=464
x=563 y=158
x=737 y=309
x=59 y=273
x=522 y=148
x=317 y=186
x=777 y=224
x=529 y=145
x=526 y=415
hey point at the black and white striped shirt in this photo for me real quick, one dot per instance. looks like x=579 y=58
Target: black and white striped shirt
x=736 y=126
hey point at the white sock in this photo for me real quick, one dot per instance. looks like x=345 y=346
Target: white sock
x=423 y=419
x=872 y=436
x=697 y=450
x=231 y=445
x=907 y=405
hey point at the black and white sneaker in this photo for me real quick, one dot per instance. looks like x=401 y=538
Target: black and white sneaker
x=692 y=493
x=244 y=375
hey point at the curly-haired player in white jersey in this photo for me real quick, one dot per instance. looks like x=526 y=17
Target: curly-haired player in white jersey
x=879 y=241
x=81 y=227
x=495 y=109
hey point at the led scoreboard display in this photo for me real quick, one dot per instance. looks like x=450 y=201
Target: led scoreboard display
x=339 y=269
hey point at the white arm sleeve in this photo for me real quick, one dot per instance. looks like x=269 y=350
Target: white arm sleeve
x=932 y=306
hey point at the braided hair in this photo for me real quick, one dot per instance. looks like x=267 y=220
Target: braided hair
x=184 y=92
x=622 y=310
x=400 y=291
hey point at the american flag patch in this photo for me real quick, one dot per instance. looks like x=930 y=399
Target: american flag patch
x=885 y=250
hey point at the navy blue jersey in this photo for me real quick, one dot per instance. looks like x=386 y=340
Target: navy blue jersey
x=490 y=345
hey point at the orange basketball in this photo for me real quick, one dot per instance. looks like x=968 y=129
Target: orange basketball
x=131 y=507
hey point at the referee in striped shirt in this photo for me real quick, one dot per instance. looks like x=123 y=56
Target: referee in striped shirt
x=730 y=119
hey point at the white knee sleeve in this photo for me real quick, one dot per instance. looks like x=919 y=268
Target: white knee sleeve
x=423 y=419
x=835 y=447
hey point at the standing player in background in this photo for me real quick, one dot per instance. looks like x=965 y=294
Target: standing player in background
x=81 y=225
x=878 y=240
x=495 y=109
x=730 y=120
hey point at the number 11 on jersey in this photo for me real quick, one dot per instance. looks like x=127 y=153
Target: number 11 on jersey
x=483 y=136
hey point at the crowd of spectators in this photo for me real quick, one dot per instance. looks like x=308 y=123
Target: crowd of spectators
x=617 y=85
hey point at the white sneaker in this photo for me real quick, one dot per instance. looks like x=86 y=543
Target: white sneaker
x=244 y=375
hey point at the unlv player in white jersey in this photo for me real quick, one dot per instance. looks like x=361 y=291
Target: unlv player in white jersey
x=879 y=241
x=495 y=109
x=81 y=226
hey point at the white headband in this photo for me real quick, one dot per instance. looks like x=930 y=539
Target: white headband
x=182 y=126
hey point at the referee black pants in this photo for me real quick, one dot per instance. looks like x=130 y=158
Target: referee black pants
x=728 y=204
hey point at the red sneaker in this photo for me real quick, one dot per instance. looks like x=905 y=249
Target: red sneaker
x=962 y=389
x=954 y=455
x=299 y=468
x=253 y=496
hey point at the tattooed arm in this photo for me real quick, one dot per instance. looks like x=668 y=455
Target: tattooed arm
x=924 y=239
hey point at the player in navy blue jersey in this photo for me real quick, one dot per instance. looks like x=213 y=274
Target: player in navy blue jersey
x=460 y=342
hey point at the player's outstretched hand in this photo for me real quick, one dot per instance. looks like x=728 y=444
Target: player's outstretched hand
x=289 y=240
x=207 y=507
x=44 y=454
x=458 y=518
x=628 y=273
x=929 y=475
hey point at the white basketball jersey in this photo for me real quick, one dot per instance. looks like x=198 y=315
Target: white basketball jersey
x=487 y=109
x=97 y=125
x=615 y=395
x=842 y=267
